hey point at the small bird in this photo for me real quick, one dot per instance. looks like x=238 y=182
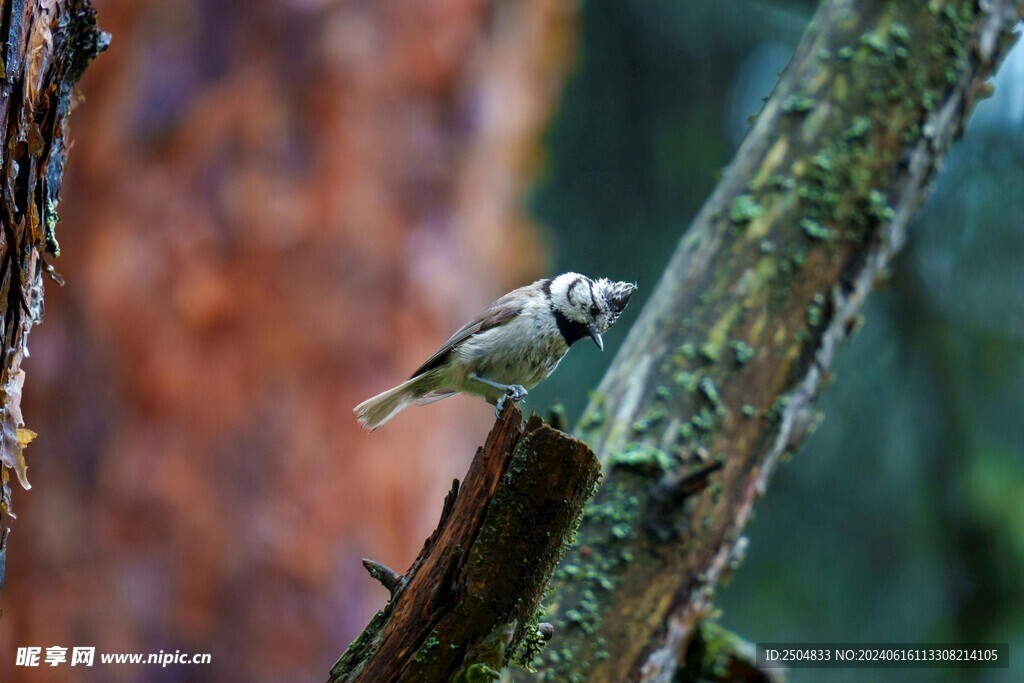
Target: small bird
x=509 y=348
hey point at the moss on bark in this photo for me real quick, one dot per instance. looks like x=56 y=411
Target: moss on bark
x=726 y=359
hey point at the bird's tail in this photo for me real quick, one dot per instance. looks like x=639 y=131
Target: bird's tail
x=374 y=412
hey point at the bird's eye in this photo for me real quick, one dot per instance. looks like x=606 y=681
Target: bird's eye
x=594 y=310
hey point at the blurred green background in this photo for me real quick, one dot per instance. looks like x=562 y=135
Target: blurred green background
x=902 y=520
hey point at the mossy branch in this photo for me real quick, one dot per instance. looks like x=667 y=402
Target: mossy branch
x=726 y=359
x=469 y=601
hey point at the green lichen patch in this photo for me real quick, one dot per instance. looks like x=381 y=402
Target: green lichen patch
x=780 y=182
x=709 y=352
x=879 y=206
x=642 y=458
x=797 y=104
x=900 y=33
x=650 y=419
x=813 y=315
x=480 y=673
x=709 y=391
x=815 y=230
x=815 y=310
x=860 y=127
x=530 y=646
x=687 y=351
x=742 y=352
x=428 y=648
x=775 y=413
x=875 y=41
x=704 y=421
x=745 y=209
x=685 y=380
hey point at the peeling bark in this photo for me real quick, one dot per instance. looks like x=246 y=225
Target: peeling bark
x=47 y=46
x=469 y=601
x=726 y=360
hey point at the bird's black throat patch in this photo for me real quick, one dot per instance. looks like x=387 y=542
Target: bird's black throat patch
x=571 y=330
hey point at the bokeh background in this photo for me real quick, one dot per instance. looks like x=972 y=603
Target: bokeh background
x=276 y=209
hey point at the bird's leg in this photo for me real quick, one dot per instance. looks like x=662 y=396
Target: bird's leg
x=516 y=392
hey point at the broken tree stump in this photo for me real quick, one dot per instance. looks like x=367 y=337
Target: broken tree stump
x=469 y=601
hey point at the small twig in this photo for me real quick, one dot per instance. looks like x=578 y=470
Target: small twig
x=696 y=481
x=558 y=419
x=386 y=575
x=673 y=491
x=663 y=520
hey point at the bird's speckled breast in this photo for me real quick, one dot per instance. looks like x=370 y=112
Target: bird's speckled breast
x=524 y=351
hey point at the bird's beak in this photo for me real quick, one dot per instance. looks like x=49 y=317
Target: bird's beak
x=596 y=336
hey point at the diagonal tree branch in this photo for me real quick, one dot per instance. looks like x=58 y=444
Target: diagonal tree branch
x=727 y=358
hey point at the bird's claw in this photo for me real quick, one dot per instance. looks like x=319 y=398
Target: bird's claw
x=516 y=392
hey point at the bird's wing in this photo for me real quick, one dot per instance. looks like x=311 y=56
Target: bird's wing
x=433 y=396
x=495 y=315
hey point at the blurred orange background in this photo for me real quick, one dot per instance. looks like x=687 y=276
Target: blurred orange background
x=272 y=211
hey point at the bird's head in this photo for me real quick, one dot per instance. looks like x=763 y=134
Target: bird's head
x=595 y=304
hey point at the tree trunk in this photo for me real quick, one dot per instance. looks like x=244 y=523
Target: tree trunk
x=47 y=46
x=469 y=601
x=727 y=357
